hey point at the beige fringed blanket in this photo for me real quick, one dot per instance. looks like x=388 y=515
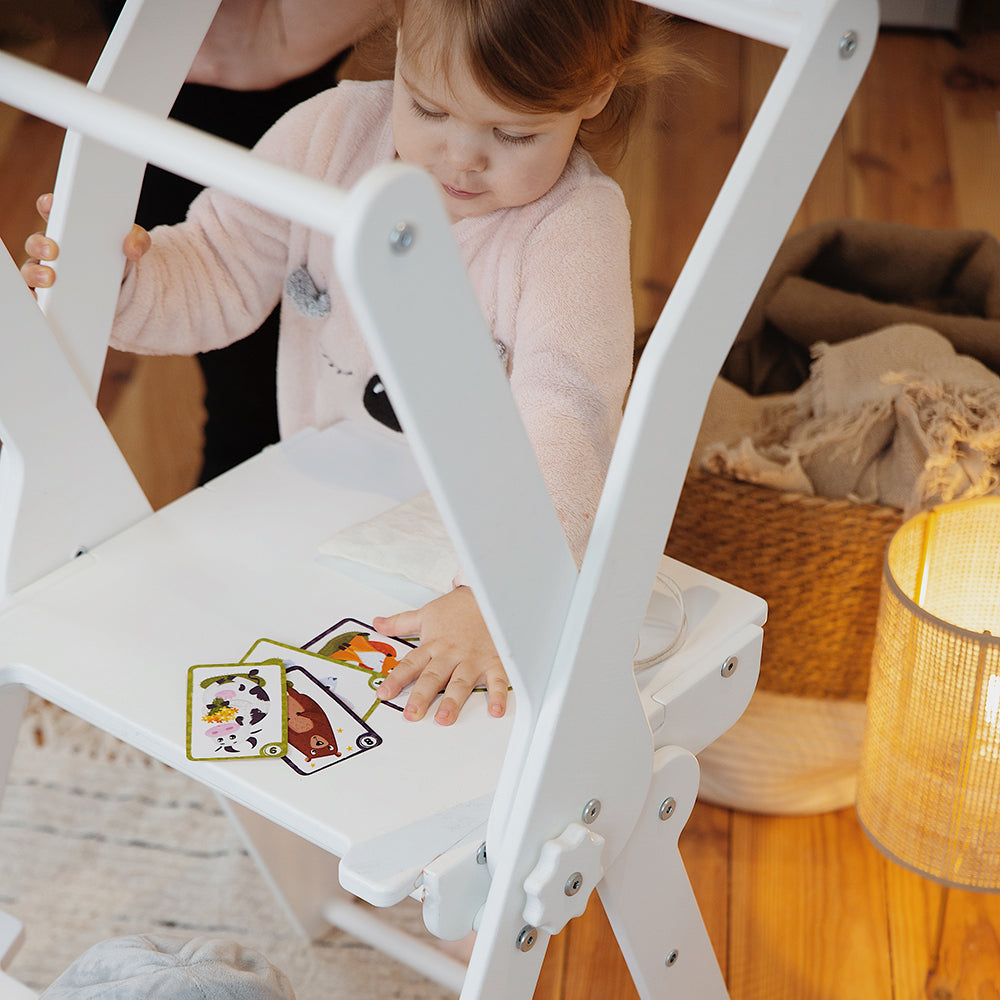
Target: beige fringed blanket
x=906 y=416
x=895 y=417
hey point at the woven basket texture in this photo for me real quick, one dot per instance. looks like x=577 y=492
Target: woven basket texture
x=818 y=564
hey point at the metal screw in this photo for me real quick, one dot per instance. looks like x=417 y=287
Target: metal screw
x=573 y=884
x=401 y=237
x=481 y=854
x=668 y=807
x=729 y=667
x=591 y=810
x=671 y=959
x=526 y=938
x=848 y=44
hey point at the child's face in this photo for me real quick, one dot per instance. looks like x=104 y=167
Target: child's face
x=483 y=155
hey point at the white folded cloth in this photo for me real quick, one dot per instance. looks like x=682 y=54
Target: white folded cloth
x=408 y=540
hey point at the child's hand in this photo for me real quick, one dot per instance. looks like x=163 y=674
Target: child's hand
x=455 y=653
x=41 y=248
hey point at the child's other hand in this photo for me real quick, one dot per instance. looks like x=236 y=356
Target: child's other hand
x=39 y=247
x=455 y=654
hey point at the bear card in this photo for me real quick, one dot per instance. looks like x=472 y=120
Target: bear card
x=323 y=730
x=236 y=711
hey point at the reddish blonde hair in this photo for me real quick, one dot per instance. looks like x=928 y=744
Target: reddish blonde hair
x=549 y=55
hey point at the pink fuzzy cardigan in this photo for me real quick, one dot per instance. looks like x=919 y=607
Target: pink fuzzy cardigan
x=552 y=278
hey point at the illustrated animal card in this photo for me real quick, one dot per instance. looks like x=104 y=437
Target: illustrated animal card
x=328 y=707
x=236 y=710
x=356 y=646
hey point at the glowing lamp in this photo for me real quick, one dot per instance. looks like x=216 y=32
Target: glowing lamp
x=929 y=786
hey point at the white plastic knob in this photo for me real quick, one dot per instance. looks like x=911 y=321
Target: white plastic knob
x=568 y=870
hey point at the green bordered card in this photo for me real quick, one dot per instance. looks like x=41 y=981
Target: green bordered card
x=237 y=710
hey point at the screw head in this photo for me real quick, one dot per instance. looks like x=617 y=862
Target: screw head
x=573 y=884
x=668 y=807
x=526 y=938
x=729 y=667
x=848 y=44
x=591 y=810
x=401 y=237
x=671 y=959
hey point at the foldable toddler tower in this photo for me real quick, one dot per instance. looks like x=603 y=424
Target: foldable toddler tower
x=588 y=782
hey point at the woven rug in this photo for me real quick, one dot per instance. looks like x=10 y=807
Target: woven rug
x=97 y=840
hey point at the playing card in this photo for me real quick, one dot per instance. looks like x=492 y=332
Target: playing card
x=236 y=710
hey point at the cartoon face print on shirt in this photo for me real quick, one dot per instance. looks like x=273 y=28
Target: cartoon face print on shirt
x=310 y=302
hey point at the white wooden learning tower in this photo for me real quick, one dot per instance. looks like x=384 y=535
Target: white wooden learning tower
x=491 y=824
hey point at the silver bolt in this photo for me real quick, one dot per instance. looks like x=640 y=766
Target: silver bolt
x=573 y=884
x=729 y=667
x=671 y=959
x=526 y=938
x=668 y=807
x=591 y=810
x=848 y=44
x=481 y=854
x=401 y=237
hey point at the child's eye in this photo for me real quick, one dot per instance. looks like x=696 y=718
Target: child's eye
x=513 y=140
x=421 y=112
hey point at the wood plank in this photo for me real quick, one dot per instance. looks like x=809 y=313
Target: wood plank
x=971 y=94
x=913 y=905
x=595 y=968
x=896 y=137
x=968 y=961
x=30 y=147
x=807 y=910
x=704 y=846
x=157 y=422
x=677 y=163
x=552 y=979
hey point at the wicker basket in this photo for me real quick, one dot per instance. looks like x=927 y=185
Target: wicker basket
x=817 y=563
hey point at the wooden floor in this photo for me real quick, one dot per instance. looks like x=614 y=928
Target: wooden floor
x=797 y=908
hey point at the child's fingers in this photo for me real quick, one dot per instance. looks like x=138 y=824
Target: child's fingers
x=432 y=679
x=44 y=205
x=40 y=247
x=405 y=623
x=456 y=694
x=36 y=275
x=137 y=242
x=496 y=693
x=405 y=672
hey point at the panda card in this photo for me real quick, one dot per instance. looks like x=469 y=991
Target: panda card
x=236 y=710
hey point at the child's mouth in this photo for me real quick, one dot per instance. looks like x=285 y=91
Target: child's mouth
x=462 y=195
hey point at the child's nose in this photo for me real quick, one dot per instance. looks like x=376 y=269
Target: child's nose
x=467 y=154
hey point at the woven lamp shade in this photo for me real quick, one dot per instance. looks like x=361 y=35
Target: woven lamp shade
x=929 y=786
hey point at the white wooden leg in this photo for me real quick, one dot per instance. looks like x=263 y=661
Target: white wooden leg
x=363 y=922
x=648 y=897
x=13 y=699
x=11 y=989
x=304 y=879
x=11 y=936
x=302 y=876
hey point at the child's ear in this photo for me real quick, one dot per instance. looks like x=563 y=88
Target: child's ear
x=602 y=95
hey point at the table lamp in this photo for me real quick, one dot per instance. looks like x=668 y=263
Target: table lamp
x=929 y=785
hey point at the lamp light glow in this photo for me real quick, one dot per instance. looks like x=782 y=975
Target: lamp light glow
x=929 y=785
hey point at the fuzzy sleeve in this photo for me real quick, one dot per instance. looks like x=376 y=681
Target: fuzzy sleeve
x=215 y=277
x=573 y=355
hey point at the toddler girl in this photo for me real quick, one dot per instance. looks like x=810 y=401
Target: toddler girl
x=499 y=100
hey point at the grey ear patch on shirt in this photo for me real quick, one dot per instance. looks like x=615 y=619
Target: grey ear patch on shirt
x=308 y=300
